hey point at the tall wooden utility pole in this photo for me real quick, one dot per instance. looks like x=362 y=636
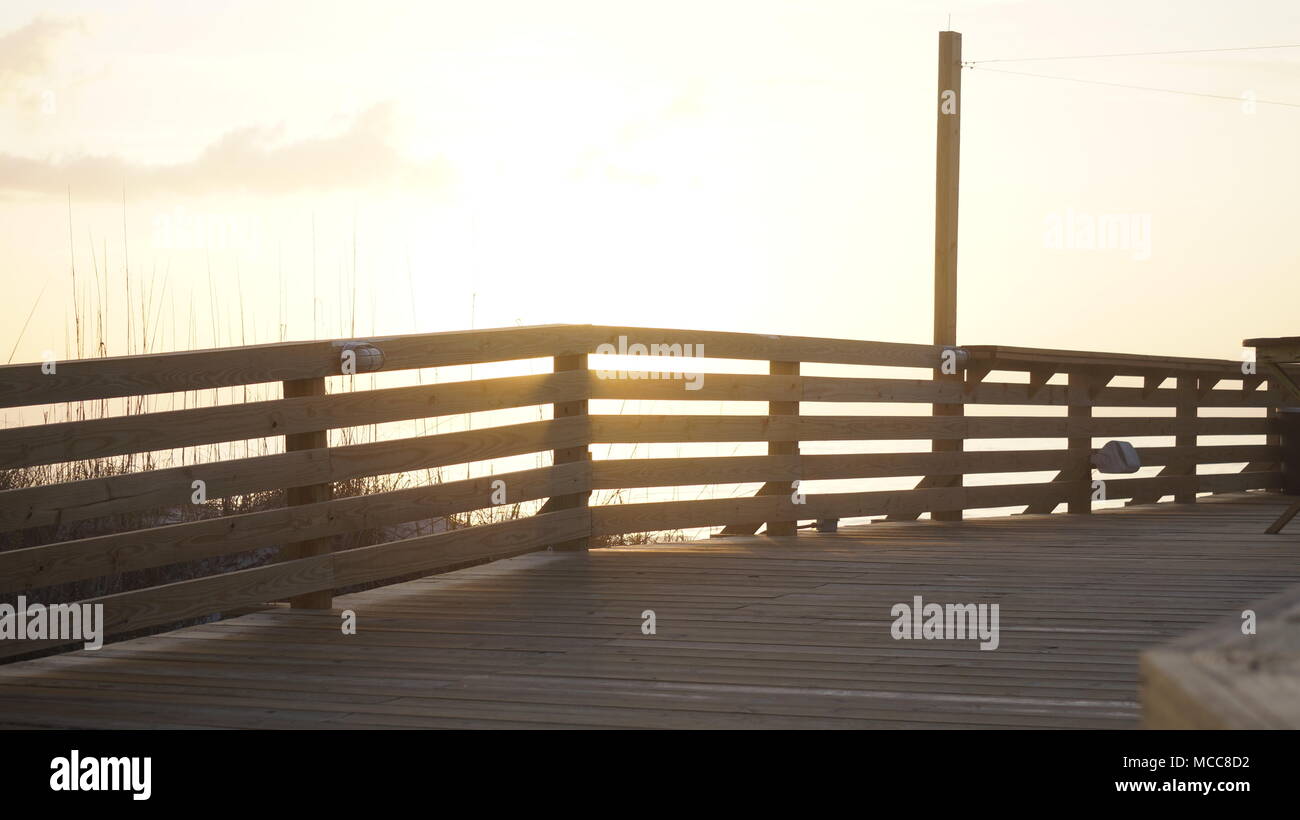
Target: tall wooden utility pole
x=946 y=174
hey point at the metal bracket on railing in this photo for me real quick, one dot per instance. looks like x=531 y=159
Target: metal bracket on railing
x=960 y=357
x=822 y=525
x=366 y=358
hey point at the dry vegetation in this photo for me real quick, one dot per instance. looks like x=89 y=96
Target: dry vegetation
x=89 y=336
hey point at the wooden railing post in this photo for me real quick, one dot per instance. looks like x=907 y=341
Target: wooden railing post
x=1185 y=412
x=782 y=448
x=310 y=494
x=1079 y=414
x=949 y=105
x=955 y=445
x=1288 y=444
x=568 y=455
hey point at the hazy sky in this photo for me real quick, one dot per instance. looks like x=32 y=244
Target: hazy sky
x=759 y=166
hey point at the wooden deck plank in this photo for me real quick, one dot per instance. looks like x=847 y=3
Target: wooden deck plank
x=752 y=632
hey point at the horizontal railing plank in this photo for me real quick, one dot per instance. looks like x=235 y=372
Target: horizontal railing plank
x=616 y=519
x=183 y=600
x=728 y=345
x=430 y=553
x=31 y=568
x=98 y=438
x=1118 y=426
x=1011 y=358
x=658 y=472
x=172 y=486
x=609 y=474
x=1236 y=482
x=114 y=377
x=652 y=386
x=646 y=429
x=1208 y=454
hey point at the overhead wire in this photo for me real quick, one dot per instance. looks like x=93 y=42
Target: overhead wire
x=1139 y=87
x=1130 y=54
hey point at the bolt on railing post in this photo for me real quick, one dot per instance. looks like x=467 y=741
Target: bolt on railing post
x=310 y=494
x=783 y=448
x=569 y=455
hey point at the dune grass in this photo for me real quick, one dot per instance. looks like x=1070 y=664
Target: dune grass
x=90 y=328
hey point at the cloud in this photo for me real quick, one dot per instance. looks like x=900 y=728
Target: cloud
x=251 y=160
x=26 y=53
x=27 y=60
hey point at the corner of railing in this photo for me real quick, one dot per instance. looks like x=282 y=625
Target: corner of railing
x=579 y=452
x=309 y=494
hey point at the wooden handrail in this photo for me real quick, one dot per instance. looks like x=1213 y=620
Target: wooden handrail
x=1221 y=677
x=1117 y=364
x=154 y=373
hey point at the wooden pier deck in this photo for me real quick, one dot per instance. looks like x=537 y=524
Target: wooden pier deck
x=751 y=632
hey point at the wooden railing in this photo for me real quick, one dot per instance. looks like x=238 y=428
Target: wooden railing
x=1219 y=678
x=309 y=566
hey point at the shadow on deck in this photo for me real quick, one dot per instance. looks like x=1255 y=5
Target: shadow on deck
x=751 y=632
